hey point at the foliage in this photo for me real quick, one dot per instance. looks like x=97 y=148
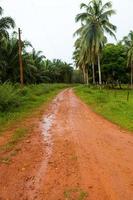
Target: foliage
x=77 y=77
x=128 y=41
x=9 y=97
x=113 y=64
x=5 y=24
x=57 y=71
x=37 y=69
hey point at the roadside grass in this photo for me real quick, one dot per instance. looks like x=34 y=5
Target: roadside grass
x=8 y=158
x=5 y=160
x=17 y=103
x=114 y=105
x=16 y=137
x=9 y=147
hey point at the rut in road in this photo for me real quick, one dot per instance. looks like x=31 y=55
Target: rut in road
x=86 y=157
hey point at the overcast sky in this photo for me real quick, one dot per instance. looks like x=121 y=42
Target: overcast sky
x=49 y=24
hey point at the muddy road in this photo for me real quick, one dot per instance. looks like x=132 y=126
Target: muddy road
x=72 y=154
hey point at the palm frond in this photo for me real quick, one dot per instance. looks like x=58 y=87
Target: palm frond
x=6 y=23
x=1 y=10
x=81 y=17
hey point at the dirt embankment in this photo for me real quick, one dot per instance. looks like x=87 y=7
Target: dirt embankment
x=72 y=154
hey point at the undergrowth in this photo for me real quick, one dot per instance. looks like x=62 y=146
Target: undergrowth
x=16 y=102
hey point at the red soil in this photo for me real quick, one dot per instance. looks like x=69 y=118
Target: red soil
x=71 y=154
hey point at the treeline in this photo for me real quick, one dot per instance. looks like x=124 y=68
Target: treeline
x=114 y=68
x=37 y=68
x=96 y=61
x=99 y=61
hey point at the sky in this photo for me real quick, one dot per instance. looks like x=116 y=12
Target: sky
x=49 y=24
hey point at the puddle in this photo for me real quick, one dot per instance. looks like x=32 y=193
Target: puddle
x=47 y=125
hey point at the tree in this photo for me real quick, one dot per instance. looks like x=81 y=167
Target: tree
x=36 y=68
x=113 y=64
x=80 y=57
x=128 y=41
x=77 y=76
x=95 y=23
x=9 y=64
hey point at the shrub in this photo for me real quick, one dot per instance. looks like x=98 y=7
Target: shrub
x=9 y=97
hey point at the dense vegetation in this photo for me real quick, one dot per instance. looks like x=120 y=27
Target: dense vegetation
x=37 y=69
x=115 y=105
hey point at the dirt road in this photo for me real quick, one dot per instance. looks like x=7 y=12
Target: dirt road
x=74 y=154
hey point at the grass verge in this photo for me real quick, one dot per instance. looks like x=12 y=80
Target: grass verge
x=16 y=103
x=17 y=136
x=114 y=105
x=9 y=147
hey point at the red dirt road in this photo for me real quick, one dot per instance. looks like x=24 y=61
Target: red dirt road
x=74 y=154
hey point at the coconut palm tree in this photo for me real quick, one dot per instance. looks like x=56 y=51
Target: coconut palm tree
x=78 y=57
x=129 y=45
x=95 y=24
x=85 y=50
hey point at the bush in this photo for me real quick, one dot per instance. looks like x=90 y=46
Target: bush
x=9 y=97
x=12 y=96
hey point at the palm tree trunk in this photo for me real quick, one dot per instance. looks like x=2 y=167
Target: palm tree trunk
x=99 y=70
x=93 y=70
x=84 y=75
x=131 y=76
x=87 y=77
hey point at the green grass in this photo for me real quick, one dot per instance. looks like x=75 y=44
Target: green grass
x=17 y=103
x=112 y=104
x=7 y=159
x=17 y=136
x=10 y=146
x=75 y=193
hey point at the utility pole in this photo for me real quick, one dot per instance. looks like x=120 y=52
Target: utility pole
x=20 y=59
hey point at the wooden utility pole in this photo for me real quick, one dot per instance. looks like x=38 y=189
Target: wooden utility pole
x=20 y=59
